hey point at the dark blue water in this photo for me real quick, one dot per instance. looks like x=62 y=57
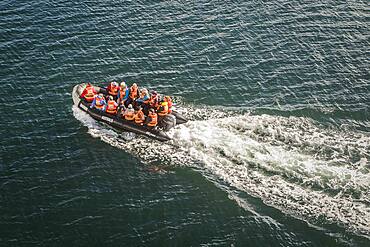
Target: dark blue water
x=276 y=152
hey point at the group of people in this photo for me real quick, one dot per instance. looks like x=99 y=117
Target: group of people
x=130 y=103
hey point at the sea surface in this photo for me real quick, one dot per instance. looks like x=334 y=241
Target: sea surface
x=276 y=152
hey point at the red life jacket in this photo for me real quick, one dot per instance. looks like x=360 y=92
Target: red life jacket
x=99 y=103
x=89 y=93
x=153 y=119
x=113 y=90
x=111 y=107
x=133 y=92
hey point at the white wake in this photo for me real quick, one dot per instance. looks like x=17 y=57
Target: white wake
x=309 y=171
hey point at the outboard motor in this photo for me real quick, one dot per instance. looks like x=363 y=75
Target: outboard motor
x=168 y=122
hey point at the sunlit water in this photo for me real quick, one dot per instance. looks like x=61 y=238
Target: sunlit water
x=276 y=152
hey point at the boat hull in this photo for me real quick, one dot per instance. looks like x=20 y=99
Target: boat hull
x=117 y=121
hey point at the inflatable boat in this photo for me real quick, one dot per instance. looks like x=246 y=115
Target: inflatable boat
x=158 y=133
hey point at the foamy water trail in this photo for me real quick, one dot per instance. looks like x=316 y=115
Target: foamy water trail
x=309 y=171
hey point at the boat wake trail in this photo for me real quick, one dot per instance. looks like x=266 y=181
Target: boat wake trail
x=318 y=173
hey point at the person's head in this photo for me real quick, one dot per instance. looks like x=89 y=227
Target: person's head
x=151 y=110
x=134 y=85
x=123 y=84
x=110 y=97
x=167 y=98
x=101 y=95
x=114 y=84
x=129 y=106
x=153 y=92
x=139 y=108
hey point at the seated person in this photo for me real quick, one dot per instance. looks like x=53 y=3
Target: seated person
x=144 y=100
x=112 y=89
x=139 y=116
x=134 y=93
x=98 y=102
x=162 y=109
x=154 y=99
x=169 y=102
x=111 y=106
x=129 y=113
x=121 y=108
x=88 y=93
x=144 y=97
x=152 y=119
x=123 y=93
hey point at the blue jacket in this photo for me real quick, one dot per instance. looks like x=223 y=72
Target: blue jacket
x=140 y=100
x=127 y=93
x=94 y=103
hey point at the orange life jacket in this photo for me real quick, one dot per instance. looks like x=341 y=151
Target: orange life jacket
x=113 y=90
x=129 y=114
x=133 y=92
x=89 y=96
x=164 y=111
x=99 y=103
x=153 y=119
x=111 y=107
x=139 y=117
